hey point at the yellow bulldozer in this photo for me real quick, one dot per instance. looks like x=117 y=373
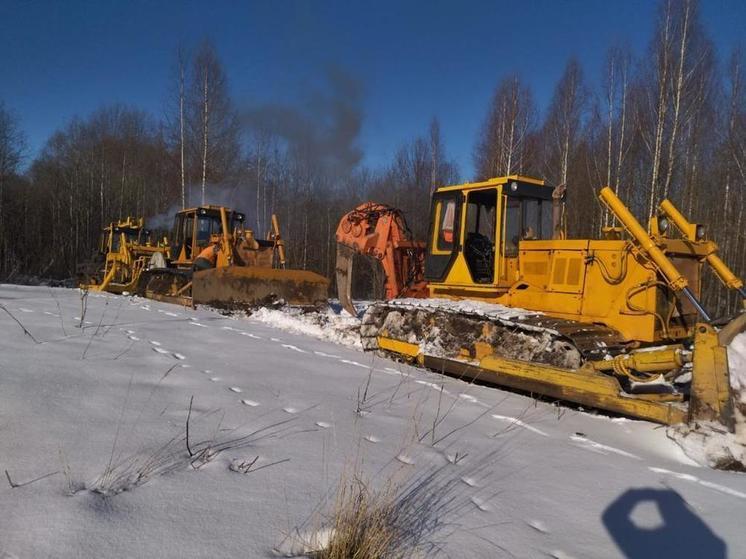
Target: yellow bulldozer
x=498 y=293
x=218 y=261
x=211 y=258
x=125 y=250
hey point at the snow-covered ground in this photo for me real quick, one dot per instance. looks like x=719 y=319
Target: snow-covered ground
x=277 y=417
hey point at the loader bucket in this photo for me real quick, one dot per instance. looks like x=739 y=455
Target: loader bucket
x=243 y=287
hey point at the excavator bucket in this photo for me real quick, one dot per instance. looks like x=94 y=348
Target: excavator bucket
x=243 y=287
x=343 y=270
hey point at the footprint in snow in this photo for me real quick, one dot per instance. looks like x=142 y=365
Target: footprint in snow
x=538 y=525
x=51 y=314
x=250 y=403
x=404 y=459
x=373 y=439
x=323 y=424
x=514 y=421
x=593 y=446
x=235 y=389
x=559 y=554
x=214 y=379
x=161 y=350
x=153 y=342
x=193 y=323
x=322 y=354
x=133 y=338
x=294 y=348
x=455 y=458
x=469 y=481
x=480 y=504
x=22 y=309
x=275 y=340
x=290 y=410
x=178 y=356
x=354 y=363
x=249 y=335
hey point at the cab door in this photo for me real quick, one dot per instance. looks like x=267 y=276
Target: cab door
x=443 y=242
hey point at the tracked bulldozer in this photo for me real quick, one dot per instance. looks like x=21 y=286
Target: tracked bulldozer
x=497 y=293
x=217 y=261
x=125 y=250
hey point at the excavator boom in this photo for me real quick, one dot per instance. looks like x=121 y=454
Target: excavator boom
x=379 y=232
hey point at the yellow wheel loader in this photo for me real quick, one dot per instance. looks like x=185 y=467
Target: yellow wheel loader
x=613 y=323
x=125 y=250
x=217 y=261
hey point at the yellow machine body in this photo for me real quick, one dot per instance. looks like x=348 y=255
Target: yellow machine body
x=609 y=281
x=500 y=241
x=127 y=250
x=241 y=271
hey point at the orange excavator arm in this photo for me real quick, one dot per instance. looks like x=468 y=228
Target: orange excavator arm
x=380 y=232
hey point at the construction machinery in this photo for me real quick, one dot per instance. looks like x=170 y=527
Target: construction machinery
x=216 y=260
x=380 y=232
x=499 y=294
x=125 y=251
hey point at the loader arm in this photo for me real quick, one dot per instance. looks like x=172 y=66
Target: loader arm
x=647 y=244
x=694 y=232
x=380 y=232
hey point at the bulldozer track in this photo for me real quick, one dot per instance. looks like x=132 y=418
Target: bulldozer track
x=557 y=341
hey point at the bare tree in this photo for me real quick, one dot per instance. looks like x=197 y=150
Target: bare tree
x=213 y=121
x=181 y=62
x=564 y=121
x=12 y=148
x=501 y=149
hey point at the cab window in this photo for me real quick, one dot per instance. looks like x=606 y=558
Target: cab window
x=206 y=226
x=512 y=227
x=479 y=242
x=527 y=219
x=447 y=225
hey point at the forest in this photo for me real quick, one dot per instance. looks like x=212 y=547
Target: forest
x=670 y=122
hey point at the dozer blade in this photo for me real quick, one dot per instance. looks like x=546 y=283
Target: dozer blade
x=343 y=269
x=244 y=287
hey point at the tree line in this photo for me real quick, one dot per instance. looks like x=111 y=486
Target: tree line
x=668 y=123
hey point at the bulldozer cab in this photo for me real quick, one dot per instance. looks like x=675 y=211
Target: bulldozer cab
x=476 y=230
x=194 y=227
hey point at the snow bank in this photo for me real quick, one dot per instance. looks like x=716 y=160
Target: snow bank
x=330 y=324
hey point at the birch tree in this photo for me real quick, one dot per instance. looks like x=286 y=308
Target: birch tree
x=213 y=121
x=503 y=141
x=564 y=121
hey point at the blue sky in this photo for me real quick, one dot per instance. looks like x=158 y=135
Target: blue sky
x=414 y=60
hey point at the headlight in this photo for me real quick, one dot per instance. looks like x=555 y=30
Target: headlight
x=700 y=232
x=662 y=224
x=513 y=186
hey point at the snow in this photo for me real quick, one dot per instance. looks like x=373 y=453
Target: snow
x=92 y=434
x=330 y=324
x=737 y=364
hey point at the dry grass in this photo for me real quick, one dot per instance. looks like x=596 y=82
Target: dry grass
x=364 y=524
x=408 y=515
